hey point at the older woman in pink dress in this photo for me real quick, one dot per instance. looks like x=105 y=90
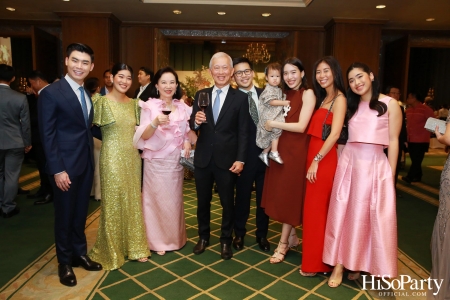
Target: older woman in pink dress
x=163 y=133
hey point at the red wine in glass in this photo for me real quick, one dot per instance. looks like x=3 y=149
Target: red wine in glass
x=203 y=102
x=166 y=112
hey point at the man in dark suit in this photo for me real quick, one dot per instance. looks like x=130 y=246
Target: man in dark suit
x=15 y=140
x=221 y=150
x=107 y=79
x=38 y=81
x=65 y=118
x=145 y=76
x=255 y=169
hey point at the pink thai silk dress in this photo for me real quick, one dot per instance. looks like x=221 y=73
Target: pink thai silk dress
x=361 y=230
x=162 y=190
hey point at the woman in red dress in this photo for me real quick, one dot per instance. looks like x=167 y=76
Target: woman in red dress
x=331 y=108
x=284 y=185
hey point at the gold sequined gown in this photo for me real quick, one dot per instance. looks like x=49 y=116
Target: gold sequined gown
x=121 y=231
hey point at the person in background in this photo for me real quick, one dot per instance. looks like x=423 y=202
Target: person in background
x=92 y=85
x=162 y=138
x=418 y=137
x=331 y=109
x=443 y=112
x=107 y=79
x=145 y=76
x=121 y=231
x=38 y=82
x=285 y=185
x=271 y=106
x=394 y=93
x=440 y=240
x=15 y=140
x=362 y=215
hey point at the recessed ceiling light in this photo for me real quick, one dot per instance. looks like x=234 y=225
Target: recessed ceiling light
x=224 y=42
x=66 y=0
x=221 y=13
x=266 y=15
x=177 y=12
x=380 y=6
x=430 y=19
x=11 y=9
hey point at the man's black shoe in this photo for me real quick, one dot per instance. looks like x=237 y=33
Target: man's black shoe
x=225 y=251
x=12 y=213
x=85 y=262
x=47 y=199
x=66 y=275
x=406 y=179
x=263 y=244
x=238 y=242
x=38 y=194
x=201 y=246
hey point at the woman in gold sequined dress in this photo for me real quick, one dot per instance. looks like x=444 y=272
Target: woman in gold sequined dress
x=121 y=231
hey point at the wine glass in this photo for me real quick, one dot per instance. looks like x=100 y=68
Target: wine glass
x=166 y=110
x=203 y=102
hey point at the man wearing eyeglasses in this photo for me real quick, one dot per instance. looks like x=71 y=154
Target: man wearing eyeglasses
x=254 y=170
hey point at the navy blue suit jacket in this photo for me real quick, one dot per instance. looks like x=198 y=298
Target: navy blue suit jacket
x=66 y=139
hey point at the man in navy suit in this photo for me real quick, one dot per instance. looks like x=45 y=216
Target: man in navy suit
x=65 y=115
x=254 y=170
x=221 y=150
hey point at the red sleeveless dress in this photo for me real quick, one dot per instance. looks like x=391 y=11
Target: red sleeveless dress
x=317 y=197
x=284 y=185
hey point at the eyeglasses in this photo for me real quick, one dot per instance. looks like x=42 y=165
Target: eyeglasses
x=246 y=72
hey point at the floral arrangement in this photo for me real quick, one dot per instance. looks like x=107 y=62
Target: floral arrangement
x=201 y=79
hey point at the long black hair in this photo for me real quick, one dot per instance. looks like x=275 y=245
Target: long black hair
x=119 y=67
x=298 y=63
x=338 y=80
x=153 y=94
x=354 y=99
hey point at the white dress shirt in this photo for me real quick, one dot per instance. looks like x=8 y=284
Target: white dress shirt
x=75 y=87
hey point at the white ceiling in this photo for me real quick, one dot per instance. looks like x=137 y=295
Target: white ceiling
x=399 y=14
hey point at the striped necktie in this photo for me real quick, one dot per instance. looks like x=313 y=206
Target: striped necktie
x=253 y=109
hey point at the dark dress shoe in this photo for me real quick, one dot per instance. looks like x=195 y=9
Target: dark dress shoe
x=406 y=179
x=85 y=262
x=238 y=242
x=37 y=195
x=12 y=213
x=263 y=244
x=20 y=191
x=225 y=251
x=66 y=275
x=416 y=180
x=47 y=199
x=201 y=246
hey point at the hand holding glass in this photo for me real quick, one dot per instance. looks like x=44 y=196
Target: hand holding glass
x=166 y=110
x=203 y=102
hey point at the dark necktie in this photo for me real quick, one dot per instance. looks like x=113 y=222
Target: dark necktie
x=83 y=105
x=253 y=109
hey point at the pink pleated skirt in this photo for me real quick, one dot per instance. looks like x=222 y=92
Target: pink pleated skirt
x=361 y=230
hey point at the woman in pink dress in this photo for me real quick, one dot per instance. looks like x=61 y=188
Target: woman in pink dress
x=162 y=137
x=361 y=230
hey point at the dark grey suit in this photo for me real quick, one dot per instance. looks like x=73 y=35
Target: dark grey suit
x=15 y=135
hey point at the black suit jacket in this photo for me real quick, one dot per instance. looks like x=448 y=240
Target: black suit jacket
x=66 y=139
x=227 y=140
x=145 y=94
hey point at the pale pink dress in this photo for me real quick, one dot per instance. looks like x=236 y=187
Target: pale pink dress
x=361 y=230
x=162 y=190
